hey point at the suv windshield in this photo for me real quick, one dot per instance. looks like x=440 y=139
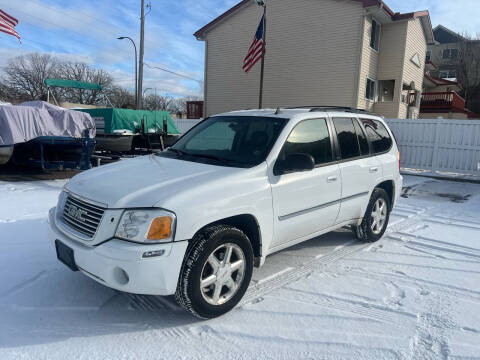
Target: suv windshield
x=241 y=141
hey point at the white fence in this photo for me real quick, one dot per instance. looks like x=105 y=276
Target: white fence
x=440 y=145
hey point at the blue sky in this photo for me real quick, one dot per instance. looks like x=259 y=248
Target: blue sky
x=87 y=30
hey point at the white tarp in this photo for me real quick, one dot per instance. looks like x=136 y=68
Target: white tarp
x=32 y=119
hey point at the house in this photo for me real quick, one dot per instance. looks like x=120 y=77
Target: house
x=355 y=53
x=444 y=52
x=442 y=90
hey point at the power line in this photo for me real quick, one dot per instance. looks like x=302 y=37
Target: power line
x=173 y=72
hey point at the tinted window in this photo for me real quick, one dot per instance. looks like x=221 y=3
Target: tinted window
x=378 y=135
x=347 y=137
x=362 y=140
x=229 y=140
x=310 y=137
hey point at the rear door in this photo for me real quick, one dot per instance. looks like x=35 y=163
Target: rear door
x=306 y=202
x=382 y=147
x=359 y=169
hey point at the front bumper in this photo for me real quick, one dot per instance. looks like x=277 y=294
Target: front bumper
x=119 y=264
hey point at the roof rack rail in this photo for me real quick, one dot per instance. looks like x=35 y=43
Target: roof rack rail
x=329 y=107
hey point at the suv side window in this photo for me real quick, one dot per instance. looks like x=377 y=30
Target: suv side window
x=310 y=137
x=378 y=135
x=347 y=137
x=362 y=139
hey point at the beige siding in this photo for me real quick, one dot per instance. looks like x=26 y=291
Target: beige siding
x=312 y=56
x=368 y=66
x=416 y=44
x=390 y=64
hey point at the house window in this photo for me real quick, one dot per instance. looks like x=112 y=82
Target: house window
x=375 y=35
x=428 y=56
x=370 y=91
x=448 y=74
x=386 y=90
x=450 y=53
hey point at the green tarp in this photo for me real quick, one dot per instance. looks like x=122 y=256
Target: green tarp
x=72 y=84
x=119 y=119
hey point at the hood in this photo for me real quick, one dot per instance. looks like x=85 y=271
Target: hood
x=143 y=181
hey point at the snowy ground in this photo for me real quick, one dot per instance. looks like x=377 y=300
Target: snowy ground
x=413 y=295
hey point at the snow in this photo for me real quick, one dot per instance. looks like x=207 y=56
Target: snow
x=412 y=295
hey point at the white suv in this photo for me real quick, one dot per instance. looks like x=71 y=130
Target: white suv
x=194 y=220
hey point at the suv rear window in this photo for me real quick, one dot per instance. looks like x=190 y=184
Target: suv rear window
x=347 y=137
x=378 y=135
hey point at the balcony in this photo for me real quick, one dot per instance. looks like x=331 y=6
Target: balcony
x=440 y=102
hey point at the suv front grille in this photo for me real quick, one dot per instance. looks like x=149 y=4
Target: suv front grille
x=82 y=216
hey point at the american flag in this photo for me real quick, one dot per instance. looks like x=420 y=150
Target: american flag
x=8 y=23
x=255 y=50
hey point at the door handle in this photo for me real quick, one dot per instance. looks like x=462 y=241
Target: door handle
x=374 y=169
x=331 y=179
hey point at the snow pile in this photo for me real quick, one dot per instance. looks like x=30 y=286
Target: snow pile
x=414 y=294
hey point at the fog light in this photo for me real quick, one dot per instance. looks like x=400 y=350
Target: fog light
x=150 y=254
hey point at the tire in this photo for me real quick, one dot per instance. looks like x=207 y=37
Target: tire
x=204 y=253
x=367 y=231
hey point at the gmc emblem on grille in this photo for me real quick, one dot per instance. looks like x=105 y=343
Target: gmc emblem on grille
x=76 y=213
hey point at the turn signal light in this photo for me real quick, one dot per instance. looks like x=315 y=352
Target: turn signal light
x=160 y=228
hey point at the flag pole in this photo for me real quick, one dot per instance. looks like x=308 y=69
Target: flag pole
x=260 y=96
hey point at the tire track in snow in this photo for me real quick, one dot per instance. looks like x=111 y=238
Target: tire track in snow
x=374 y=312
x=262 y=288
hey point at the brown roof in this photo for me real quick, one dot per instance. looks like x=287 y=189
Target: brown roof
x=395 y=16
x=439 y=81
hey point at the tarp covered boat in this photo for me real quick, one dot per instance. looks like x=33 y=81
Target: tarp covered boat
x=116 y=128
x=29 y=120
x=32 y=127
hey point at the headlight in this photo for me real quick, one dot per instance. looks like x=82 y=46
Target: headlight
x=146 y=226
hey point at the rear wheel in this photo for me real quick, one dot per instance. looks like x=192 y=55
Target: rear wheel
x=376 y=217
x=216 y=271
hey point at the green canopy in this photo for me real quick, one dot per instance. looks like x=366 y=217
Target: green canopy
x=120 y=119
x=72 y=84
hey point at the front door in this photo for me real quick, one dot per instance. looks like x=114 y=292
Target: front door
x=308 y=201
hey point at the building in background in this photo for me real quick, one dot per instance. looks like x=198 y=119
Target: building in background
x=356 y=53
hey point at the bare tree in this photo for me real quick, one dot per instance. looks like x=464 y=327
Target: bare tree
x=24 y=76
x=468 y=70
x=82 y=72
x=121 y=98
x=158 y=102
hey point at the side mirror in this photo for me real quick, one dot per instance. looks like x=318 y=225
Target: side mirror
x=295 y=162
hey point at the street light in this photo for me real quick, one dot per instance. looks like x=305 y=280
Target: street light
x=260 y=2
x=136 y=76
x=144 y=91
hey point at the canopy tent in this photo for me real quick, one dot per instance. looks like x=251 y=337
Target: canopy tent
x=72 y=84
x=64 y=83
x=127 y=119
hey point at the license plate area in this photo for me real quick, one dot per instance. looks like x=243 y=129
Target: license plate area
x=65 y=255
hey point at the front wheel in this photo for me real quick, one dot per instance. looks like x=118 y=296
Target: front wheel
x=376 y=217
x=216 y=272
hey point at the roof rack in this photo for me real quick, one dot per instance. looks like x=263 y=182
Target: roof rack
x=328 y=107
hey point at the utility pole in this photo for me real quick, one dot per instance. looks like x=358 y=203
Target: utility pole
x=140 y=65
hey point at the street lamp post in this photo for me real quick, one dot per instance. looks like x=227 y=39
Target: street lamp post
x=136 y=66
